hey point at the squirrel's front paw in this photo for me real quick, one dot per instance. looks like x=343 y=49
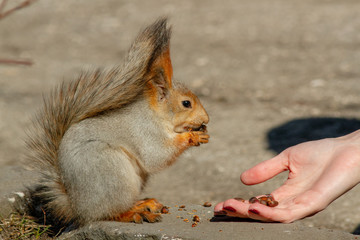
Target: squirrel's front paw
x=198 y=137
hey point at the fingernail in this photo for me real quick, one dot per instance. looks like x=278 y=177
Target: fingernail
x=230 y=209
x=254 y=211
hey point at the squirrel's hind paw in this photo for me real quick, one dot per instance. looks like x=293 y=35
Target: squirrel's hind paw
x=151 y=217
x=148 y=204
x=144 y=210
x=138 y=217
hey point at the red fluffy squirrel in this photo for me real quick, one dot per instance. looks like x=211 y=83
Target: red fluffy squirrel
x=98 y=138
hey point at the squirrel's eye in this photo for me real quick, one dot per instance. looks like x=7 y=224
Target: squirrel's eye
x=186 y=104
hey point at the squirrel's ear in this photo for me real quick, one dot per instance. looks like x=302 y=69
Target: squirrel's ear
x=152 y=48
x=162 y=73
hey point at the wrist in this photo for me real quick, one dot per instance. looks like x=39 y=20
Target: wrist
x=351 y=138
x=349 y=148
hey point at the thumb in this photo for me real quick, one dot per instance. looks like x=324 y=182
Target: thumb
x=266 y=170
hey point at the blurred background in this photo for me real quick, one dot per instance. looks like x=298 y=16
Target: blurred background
x=271 y=74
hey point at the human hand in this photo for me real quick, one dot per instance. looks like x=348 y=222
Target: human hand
x=319 y=172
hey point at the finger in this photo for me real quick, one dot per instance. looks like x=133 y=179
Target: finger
x=306 y=204
x=267 y=214
x=218 y=209
x=236 y=208
x=266 y=170
x=254 y=213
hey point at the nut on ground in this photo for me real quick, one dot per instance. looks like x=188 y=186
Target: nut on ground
x=165 y=210
x=207 y=204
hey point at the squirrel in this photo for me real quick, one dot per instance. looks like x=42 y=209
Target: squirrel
x=98 y=138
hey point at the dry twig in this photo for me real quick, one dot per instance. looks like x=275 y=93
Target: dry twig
x=6 y=13
x=20 y=62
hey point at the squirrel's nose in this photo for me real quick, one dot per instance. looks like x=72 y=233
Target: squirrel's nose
x=205 y=118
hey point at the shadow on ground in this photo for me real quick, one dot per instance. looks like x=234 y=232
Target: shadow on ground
x=357 y=230
x=231 y=219
x=308 y=129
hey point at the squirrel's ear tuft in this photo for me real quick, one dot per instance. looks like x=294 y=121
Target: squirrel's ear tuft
x=159 y=72
x=149 y=57
x=160 y=68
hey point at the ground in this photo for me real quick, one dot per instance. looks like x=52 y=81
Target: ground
x=256 y=66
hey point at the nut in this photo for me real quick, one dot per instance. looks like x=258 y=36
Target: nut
x=165 y=210
x=202 y=128
x=267 y=200
x=263 y=202
x=273 y=203
x=239 y=199
x=196 y=218
x=253 y=200
x=207 y=204
x=263 y=198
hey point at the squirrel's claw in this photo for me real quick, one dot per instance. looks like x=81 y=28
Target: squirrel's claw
x=197 y=137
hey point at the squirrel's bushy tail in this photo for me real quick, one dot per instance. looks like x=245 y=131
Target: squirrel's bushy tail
x=89 y=95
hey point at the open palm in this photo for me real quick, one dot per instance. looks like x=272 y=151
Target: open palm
x=319 y=172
